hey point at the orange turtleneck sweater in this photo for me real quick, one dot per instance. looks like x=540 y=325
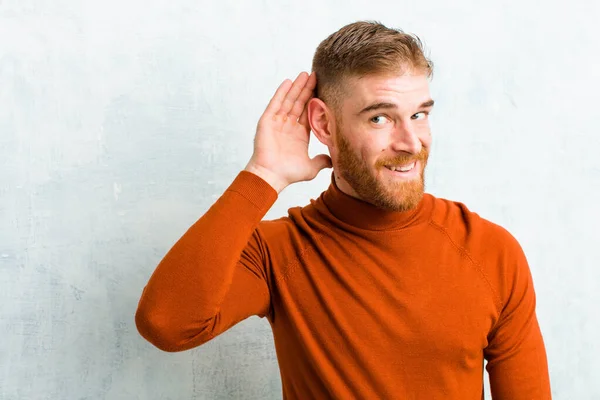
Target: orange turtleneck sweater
x=363 y=303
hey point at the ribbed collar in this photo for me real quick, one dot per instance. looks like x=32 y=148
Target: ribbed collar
x=361 y=214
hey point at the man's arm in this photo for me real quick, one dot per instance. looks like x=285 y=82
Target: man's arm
x=214 y=276
x=516 y=355
x=216 y=273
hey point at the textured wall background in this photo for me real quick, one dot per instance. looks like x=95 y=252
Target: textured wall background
x=121 y=122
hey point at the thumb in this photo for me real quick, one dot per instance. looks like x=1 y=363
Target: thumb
x=322 y=161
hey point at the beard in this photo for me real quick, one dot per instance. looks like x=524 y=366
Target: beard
x=374 y=187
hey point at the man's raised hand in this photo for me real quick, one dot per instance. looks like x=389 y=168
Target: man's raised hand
x=282 y=136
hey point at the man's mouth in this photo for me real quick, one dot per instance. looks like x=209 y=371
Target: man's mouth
x=401 y=168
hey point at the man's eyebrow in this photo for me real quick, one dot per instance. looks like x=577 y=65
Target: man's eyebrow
x=385 y=106
x=377 y=106
x=427 y=104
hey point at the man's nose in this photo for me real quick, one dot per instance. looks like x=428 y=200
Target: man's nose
x=405 y=138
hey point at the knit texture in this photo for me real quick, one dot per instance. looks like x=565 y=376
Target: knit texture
x=363 y=303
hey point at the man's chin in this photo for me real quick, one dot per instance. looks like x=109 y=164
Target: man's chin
x=388 y=195
x=405 y=204
x=403 y=198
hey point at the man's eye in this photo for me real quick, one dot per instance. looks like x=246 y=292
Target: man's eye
x=423 y=115
x=379 y=119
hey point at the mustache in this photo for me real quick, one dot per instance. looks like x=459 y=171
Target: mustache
x=403 y=160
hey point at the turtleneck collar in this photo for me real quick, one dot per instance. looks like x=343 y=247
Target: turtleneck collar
x=361 y=214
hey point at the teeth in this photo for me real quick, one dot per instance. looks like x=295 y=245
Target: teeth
x=398 y=168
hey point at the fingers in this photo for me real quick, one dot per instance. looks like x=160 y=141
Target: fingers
x=292 y=95
x=275 y=103
x=303 y=119
x=306 y=93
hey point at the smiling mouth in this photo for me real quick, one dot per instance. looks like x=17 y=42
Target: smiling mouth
x=401 y=168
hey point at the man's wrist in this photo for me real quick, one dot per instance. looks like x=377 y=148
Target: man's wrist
x=269 y=177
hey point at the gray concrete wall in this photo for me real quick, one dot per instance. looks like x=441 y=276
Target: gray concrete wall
x=121 y=122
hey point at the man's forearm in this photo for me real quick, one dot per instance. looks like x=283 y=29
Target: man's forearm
x=190 y=283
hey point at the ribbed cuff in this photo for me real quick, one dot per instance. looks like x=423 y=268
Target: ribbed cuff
x=254 y=189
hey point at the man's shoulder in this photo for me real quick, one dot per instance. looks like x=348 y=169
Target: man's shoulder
x=447 y=212
x=282 y=230
x=486 y=245
x=476 y=234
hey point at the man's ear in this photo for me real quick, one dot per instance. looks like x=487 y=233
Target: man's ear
x=321 y=121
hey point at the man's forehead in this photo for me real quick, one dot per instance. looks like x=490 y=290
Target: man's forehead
x=407 y=89
x=398 y=83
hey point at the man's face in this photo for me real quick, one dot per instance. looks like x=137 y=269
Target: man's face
x=383 y=123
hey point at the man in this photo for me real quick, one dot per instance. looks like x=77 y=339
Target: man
x=376 y=290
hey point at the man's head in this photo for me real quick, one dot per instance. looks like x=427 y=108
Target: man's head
x=371 y=110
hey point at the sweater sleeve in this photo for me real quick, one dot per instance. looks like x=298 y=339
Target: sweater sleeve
x=215 y=274
x=516 y=355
